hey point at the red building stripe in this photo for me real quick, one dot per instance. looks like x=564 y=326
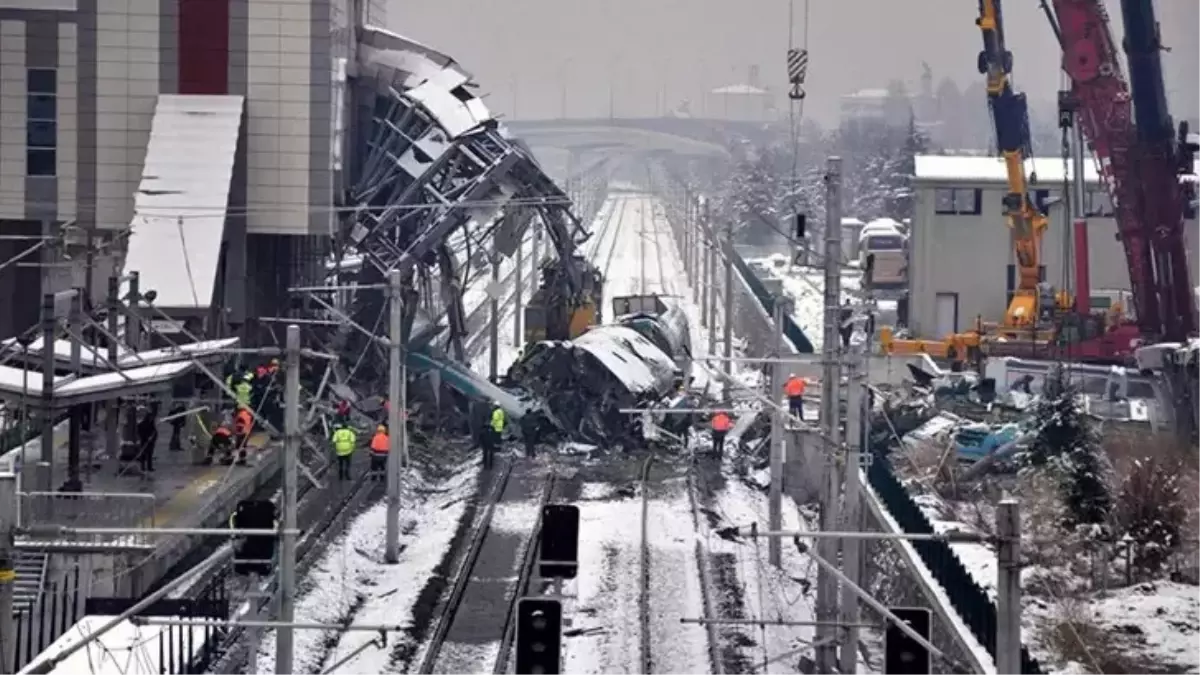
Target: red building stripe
x=204 y=46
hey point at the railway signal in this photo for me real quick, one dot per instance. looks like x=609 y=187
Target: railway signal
x=558 y=551
x=901 y=654
x=539 y=636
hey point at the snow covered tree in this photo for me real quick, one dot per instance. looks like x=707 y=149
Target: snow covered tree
x=1067 y=444
x=1152 y=512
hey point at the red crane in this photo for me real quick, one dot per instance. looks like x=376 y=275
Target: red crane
x=1139 y=163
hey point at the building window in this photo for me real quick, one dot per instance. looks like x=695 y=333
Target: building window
x=957 y=201
x=1099 y=204
x=41 y=128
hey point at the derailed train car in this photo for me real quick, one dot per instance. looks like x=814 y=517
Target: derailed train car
x=641 y=359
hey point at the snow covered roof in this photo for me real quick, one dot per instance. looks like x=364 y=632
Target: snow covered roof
x=127 y=648
x=181 y=202
x=740 y=90
x=960 y=169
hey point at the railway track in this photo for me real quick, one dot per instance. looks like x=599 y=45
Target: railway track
x=479 y=609
x=320 y=517
x=704 y=569
x=644 y=619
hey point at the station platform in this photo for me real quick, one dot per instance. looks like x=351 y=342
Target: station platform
x=181 y=492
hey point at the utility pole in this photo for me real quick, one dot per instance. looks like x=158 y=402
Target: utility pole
x=702 y=281
x=49 y=322
x=775 y=492
x=8 y=576
x=133 y=322
x=852 y=548
x=1008 y=587
x=827 y=585
x=494 y=325
x=694 y=255
x=712 y=290
x=287 y=544
x=112 y=415
x=727 y=327
x=75 y=322
x=396 y=421
x=518 y=283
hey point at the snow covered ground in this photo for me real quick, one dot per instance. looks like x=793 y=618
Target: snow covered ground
x=351 y=581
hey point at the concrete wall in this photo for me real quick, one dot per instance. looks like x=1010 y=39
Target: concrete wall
x=968 y=255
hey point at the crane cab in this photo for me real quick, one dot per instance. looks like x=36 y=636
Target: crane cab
x=555 y=312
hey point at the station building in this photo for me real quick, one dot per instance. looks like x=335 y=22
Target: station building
x=204 y=138
x=961 y=256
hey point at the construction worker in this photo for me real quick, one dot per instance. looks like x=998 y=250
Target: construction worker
x=344 y=439
x=721 y=424
x=794 y=388
x=243 y=424
x=343 y=412
x=493 y=434
x=380 y=445
x=530 y=429
x=147 y=434
x=243 y=391
x=177 y=421
x=221 y=442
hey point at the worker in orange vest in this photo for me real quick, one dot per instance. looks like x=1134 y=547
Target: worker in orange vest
x=380 y=444
x=243 y=422
x=721 y=424
x=220 y=443
x=794 y=388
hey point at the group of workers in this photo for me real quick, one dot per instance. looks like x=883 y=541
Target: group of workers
x=721 y=423
x=254 y=394
x=344 y=440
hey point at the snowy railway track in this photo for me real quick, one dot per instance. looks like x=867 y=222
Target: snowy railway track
x=704 y=568
x=317 y=526
x=467 y=625
x=644 y=618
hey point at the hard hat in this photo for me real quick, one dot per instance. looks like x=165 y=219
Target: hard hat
x=248 y=376
x=381 y=429
x=274 y=362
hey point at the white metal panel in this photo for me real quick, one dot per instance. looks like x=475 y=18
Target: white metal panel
x=181 y=204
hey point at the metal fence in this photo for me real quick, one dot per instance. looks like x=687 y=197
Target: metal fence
x=37 y=626
x=89 y=509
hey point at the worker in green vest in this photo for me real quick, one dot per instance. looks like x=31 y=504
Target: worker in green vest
x=494 y=433
x=344 y=440
x=242 y=391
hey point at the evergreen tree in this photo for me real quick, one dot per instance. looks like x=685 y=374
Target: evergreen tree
x=1153 y=511
x=1067 y=444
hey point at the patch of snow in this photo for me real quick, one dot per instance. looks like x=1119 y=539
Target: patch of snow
x=352 y=571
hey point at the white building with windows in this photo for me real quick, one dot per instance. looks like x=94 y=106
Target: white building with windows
x=961 y=255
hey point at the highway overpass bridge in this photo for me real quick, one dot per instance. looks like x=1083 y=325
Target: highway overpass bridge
x=679 y=135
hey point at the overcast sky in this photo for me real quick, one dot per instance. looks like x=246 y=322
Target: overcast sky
x=532 y=55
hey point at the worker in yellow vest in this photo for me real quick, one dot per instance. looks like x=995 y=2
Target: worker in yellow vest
x=493 y=435
x=344 y=439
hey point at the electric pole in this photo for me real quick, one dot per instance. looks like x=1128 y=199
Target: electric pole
x=518 y=282
x=727 y=327
x=287 y=544
x=705 y=276
x=494 y=325
x=112 y=414
x=827 y=584
x=775 y=492
x=712 y=281
x=852 y=548
x=396 y=414
x=8 y=576
x=49 y=325
x=75 y=425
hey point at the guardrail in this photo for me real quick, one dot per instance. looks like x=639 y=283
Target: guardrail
x=89 y=509
x=970 y=601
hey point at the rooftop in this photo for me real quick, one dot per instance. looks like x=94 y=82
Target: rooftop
x=1049 y=170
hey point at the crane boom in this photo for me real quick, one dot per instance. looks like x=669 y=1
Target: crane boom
x=1160 y=157
x=1137 y=165
x=1011 y=119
